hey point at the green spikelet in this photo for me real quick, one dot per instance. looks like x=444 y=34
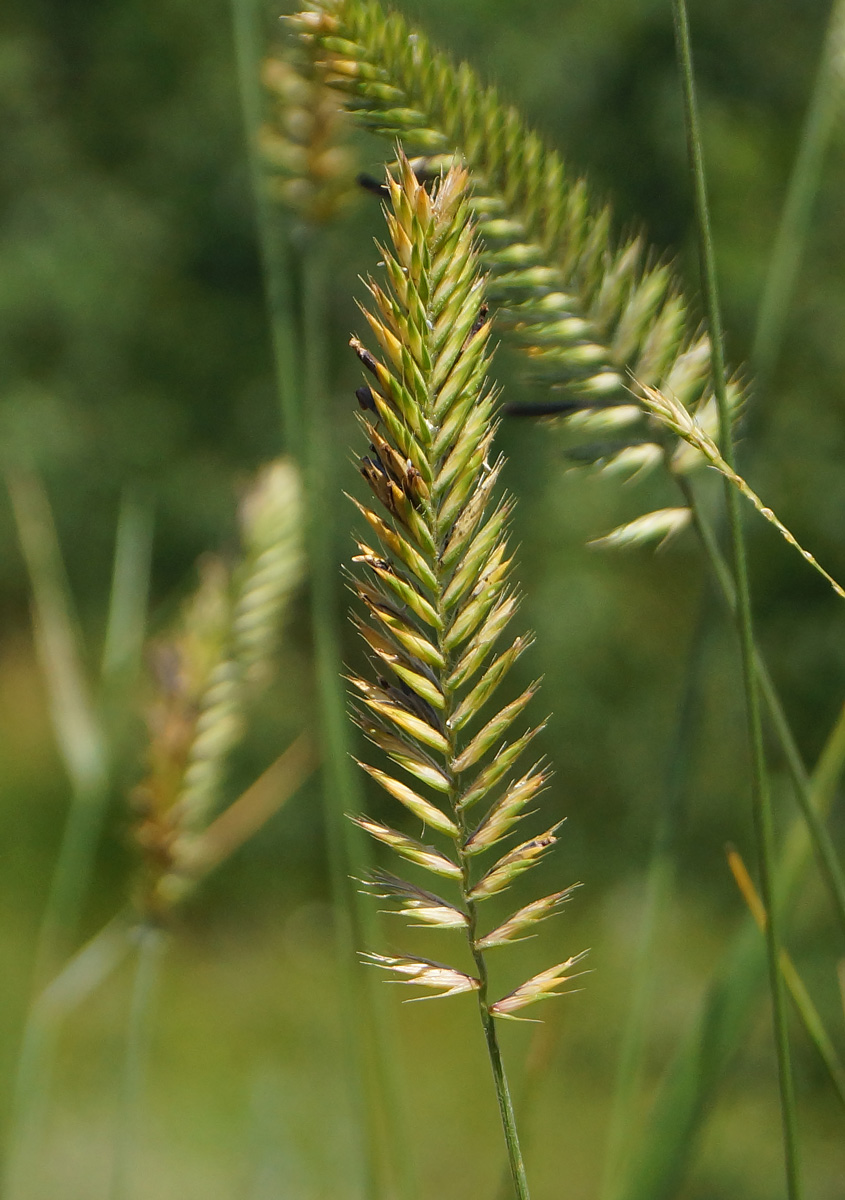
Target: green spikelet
x=437 y=596
x=302 y=140
x=595 y=317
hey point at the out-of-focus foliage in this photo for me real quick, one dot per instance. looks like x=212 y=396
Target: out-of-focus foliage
x=134 y=348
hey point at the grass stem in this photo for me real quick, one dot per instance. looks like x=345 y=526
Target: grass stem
x=657 y=1165
x=801 y=193
x=295 y=284
x=761 y=806
x=822 y=842
x=151 y=943
x=278 y=261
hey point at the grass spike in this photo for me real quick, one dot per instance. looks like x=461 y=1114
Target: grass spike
x=457 y=554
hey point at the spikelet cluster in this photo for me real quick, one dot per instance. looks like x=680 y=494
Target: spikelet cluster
x=204 y=676
x=593 y=315
x=303 y=139
x=435 y=589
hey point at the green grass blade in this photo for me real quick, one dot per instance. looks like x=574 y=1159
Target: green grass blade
x=86 y=971
x=77 y=730
x=297 y=319
x=277 y=260
x=824 y=849
x=151 y=944
x=760 y=797
x=801 y=194
x=127 y=615
x=657 y=1168
x=803 y=1001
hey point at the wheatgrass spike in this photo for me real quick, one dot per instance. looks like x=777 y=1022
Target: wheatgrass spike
x=436 y=631
x=585 y=307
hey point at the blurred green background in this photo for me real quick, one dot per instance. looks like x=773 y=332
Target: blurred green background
x=134 y=351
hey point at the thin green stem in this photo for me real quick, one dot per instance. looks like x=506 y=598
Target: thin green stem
x=295 y=284
x=503 y=1095
x=822 y=842
x=277 y=258
x=488 y=1024
x=341 y=790
x=801 y=194
x=151 y=945
x=520 y=1182
x=761 y=807
x=78 y=733
x=656 y=1168
x=89 y=967
x=130 y=587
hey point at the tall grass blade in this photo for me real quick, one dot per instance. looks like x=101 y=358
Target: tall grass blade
x=823 y=847
x=127 y=615
x=761 y=804
x=802 y=191
x=78 y=732
x=151 y=944
x=295 y=280
x=277 y=259
x=86 y=971
x=809 y=1014
x=660 y=1159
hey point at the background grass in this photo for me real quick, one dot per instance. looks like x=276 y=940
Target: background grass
x=134 y=349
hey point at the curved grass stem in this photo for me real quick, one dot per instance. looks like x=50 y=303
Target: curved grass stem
x=761 y=806
x=822 y=842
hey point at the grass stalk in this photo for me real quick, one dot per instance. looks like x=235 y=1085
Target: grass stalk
x=437 y=595
x=78 y=733
x=656 y=1168
x=761 y=805
x=801 y=998
x=370 y=1028
x=801 y=194
x=127 y=616
x=151 y=943
x=494 y=1053
x=295 y=284
x=278 y=261
x=89 y=967
x=823 y=847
